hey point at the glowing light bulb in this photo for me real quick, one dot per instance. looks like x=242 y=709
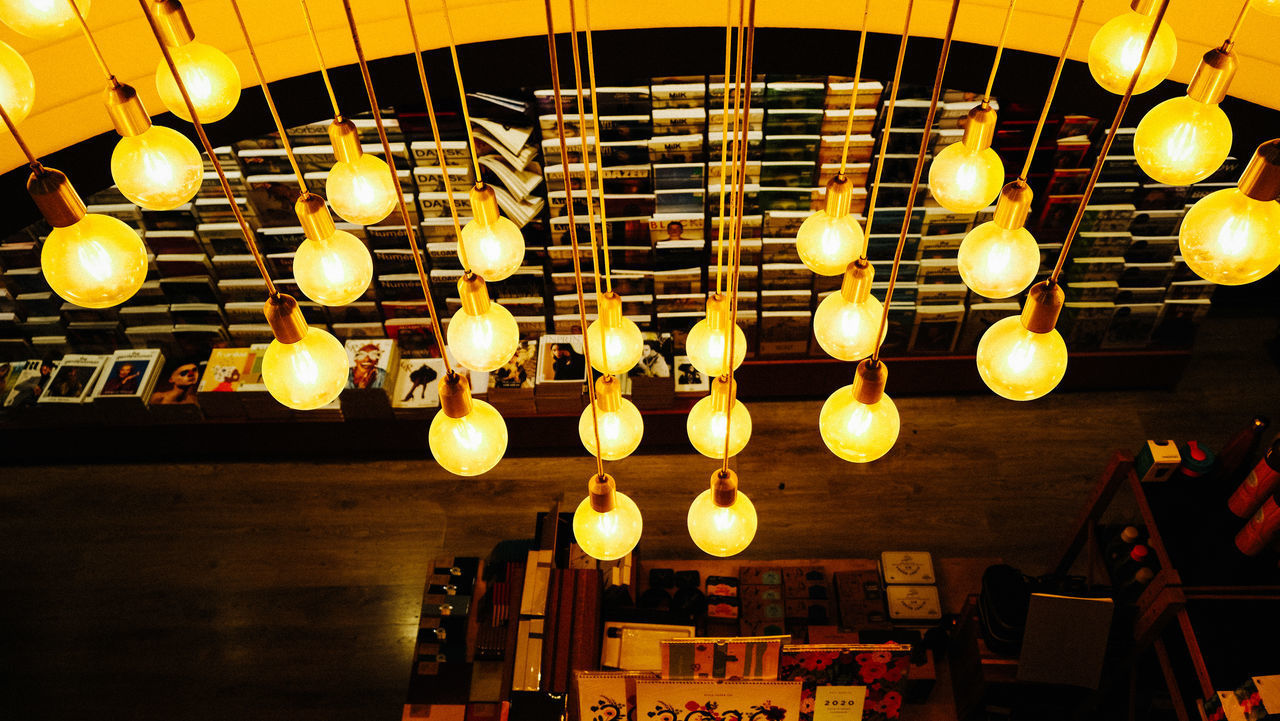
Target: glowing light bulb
x=361 y=190
x=998 y=262
x=1018 y=364
x=828 y=245
x=965 y=181
x=17 y=86
x=333 y=271
x=608 y=535
x=494 y=250
x=1270 y=7
x=855 y=431
x=97 y=262
x=482 y=334
x=709 y=418
x=615 y=341
x=42 y=19
x=1117 y=48
x=722 y=530
x=158 y=169
x=621 y=425
x=210 y=77
x=847 y=322
x=471 y=444
x=1182 y=141
x=1230 y=238
x=307 y=374
x=708 y=341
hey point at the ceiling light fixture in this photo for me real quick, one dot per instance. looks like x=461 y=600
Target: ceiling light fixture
x=209 y=77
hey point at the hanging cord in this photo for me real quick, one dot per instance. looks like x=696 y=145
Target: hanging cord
x=266 y=93
x=724 y=141
x=1106 y=143
x=249 y=238
x=462 y=92
x=573 y=228
x=93 y=44
x=1235 y=27
x=888 y=125
x=741 y=125
x=395 y=178
x=435 y=135
x=915 y=178
x=586 y=163
x=995 y=64
x=324 y=69
x=853 y=94
x=22 y=144
x=595 y=124
x=1053 y=88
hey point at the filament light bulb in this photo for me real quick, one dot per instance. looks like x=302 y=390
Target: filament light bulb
x=361 y=190
x=607 y=535
x=615 y=341
x=859 y=423
x=709 y=339
x=1116 y=51
x=714 y=416
x=210 y=77
x=964 y=181
x=307 y=374
x=1270 y=7
x=492 y=244
x=159 y=169
x=620 y=430
x=333 y=271
x=482 y=334
x=847 y=323
x=42 y=19
x=471 y=444
x=1231 y=238
x=1182 y=141
x=17 y=85
x=831 y=239
x=97 y=262
x=1019 y=364
x=722 y=530
x=998 y=262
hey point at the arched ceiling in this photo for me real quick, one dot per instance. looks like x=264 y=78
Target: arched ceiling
x=68 y=83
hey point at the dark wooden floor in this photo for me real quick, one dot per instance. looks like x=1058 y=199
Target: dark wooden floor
x=245 y=591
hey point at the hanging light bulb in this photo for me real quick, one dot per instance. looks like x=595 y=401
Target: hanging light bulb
x=42 y=19
x=155 y=167
x=999 y=258
x=1024 y=357
x=710 y=416
x=616 y=337
x=709 y=338
x=966 y=176
x=17 y=86
x=859 y=423
x=847 y=323
x=831 y=239
x=722 y=520
x=1116 y=50
x=621 y=425
x=304 y=368
x=482 y=334
x=493 y=245
x=210 y=77
x=1232 y=236
x=94 y=261
x=332 y=267
x=607 y=524
x=468 y=436
x=1183 y=140
x=1270 y=7
x=359 y=186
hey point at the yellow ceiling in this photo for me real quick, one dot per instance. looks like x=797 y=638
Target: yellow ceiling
x=68 y=83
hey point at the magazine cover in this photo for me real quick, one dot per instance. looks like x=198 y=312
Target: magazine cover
x=369 y=362
x=416 y=383
x=177 y=383
x=129 y=374
x=699 y=700
x=872 y=677
x=657 y=357
x=28 y=382
x=560 y=359
x=520 y=371
x=690 y=379
x=73 y=379
x=224 y=370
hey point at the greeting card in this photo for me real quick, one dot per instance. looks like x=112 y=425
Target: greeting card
x=880 y=669
x=717 y=700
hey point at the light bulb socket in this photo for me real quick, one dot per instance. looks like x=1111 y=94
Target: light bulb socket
x=1014 y=205
x=724 y=389
x=313 y=215
x=609 y=309
x=175 y=26
x=603 y=492
x=855 y=287
x=1261 y=178
x=869 y=380
x=724 y=488
x=455 y=394
x=1144 y=7
x=345 y=139
x=58 y=202
x=839 y=196
x=980 y=127
x=1213 y=76
x=718 y=316
x=127 y=112
x=474 y=294
x=484 y=204
x=608 y=394
x=285 y=318
x=1044 y=304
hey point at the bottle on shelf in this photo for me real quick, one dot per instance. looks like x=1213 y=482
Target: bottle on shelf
x=1261 y=530
x=1119 y=548
x=1236 y=453
x=1261 y=482
x=1139 y=557
x=1132 y=588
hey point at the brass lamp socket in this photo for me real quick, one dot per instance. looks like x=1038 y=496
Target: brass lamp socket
x=1014 y=205
x=128 y=115
x=484 y=203
x=1144 y=7
x=718 y=316
x=608 y=394
x=1261 y=178
x=58 y=202
x=724 y=487
x=1213 y=76
x=313 y=216
x=1044 y=303
x=724 y=389
x=609 y=308
x=175 y=26
x=455 y=395
x=345 y=139
x=869 y=380
x=474 y=294
x=856 y=285
x=603 y=492
x=839 y=196
x=285 y=318
x=980 y=127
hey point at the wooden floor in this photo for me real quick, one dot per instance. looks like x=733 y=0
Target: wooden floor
x=245 y=591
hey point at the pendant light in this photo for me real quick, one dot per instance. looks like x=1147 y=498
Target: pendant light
x=717 y=418
x=607 y=523
x=211 y=80
x=711 y=336
x=621 y=425
x=1118 y=46
x=1232 y=236
x=847 y=323
x=17 y=84
x=42 y=19
x=722 y=520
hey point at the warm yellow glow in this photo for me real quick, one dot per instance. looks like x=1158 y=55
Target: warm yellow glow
x=308 y=374
x=42 y=19
x=611 y=535
x=361 y=192
x=722 y=531
x=848 y=331
x=158 y=169
x=996 y=262
x=1270 y=7
x=963 y=181
x=707 y=347
x=98 y=262
x=211 y=78
x=1018 y=364
x=855 y=431
x=620 y=430
x=828 y=245
x=1229 y=238
x=495 y=251
x=470 y=445
x=333 y=271
x=620 y=346
x=706 y=427
x=1117 y=48
x=17 y=86
x=483 y=342
x=1182 y=141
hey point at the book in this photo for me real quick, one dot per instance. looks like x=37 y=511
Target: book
x=223 y=373
x=73 y=379
x=124 y=386
x=175 y=396
x=27 y=382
